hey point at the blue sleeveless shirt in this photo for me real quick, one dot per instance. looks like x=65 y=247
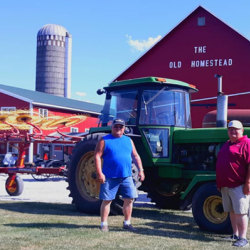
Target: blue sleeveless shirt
x=117 y=160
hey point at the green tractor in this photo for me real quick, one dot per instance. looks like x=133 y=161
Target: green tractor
x=179 y=161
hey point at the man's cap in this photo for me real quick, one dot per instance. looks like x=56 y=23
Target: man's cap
x=118 y=121
x=235 y=124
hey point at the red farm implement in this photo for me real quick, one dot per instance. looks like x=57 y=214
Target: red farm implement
x=22 y=128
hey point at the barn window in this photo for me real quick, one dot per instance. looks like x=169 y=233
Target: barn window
x=201 y=21
x=8 y=109
x=44 y=113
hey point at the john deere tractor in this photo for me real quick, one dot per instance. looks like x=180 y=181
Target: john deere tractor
x=179 y=161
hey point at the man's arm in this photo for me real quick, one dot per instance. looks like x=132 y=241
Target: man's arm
x=137 y=160
x=246 y=188
x=98 y=160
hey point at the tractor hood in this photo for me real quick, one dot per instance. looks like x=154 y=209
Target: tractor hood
x=203 y=135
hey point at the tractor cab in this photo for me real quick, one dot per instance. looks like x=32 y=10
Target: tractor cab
x=148 y=101
x=152 y=108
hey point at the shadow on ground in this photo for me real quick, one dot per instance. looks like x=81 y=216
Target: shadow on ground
x=49 y=225
x=41 y=208
x=152 y=222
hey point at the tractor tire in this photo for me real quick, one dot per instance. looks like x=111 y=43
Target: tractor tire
x=16 y=188
x=83 y=184
x=164 y=201
x=208 y=210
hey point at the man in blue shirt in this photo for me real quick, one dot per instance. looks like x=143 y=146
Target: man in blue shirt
x=117 y=152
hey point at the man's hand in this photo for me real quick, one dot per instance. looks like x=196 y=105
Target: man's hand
x=246 y=188
x=141 y=176
x=101 y=177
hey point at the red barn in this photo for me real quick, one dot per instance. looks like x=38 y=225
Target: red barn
x=46 y=105
x=194 y=51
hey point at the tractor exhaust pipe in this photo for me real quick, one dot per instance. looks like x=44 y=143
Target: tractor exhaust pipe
x=222 y=103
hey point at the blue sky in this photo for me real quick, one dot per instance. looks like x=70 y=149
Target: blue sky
x=107 y=36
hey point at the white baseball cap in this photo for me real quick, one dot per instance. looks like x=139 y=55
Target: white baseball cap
x=235 y=124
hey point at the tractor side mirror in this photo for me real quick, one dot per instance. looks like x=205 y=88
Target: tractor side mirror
x=101 y=91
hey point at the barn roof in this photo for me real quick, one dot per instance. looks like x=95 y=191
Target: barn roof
x=161 y=41
x=48 y=100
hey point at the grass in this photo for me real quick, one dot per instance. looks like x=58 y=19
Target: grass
x=36 y=226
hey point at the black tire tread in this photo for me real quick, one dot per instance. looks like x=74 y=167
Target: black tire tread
x=203 y=192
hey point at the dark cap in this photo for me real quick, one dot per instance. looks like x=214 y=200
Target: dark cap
x=118 y=121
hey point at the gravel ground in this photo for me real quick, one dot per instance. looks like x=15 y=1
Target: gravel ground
x=53 y=190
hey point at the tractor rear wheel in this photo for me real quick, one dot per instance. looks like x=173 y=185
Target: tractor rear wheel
x=208 y=210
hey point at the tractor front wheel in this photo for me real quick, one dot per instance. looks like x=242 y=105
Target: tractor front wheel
x=208 y=210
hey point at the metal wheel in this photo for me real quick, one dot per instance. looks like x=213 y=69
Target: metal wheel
x=212 y=209
x=15 y=187
x=208 y=210
x=40 y=177
x=55 y=164
x=86 y=180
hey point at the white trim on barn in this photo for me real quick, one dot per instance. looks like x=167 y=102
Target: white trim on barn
x=15 y=96
x=66 y=108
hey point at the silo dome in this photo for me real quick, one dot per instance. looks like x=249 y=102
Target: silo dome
x=53 y=62
x=52 y=29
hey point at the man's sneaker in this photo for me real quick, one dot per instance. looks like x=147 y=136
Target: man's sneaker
x=233 y=237
x=241 y=242
x=129 y=227
x=104 y=228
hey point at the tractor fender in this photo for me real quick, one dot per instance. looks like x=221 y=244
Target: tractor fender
x=197 y=181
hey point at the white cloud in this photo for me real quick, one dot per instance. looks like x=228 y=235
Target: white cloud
x=142 y=45
x=81 y=93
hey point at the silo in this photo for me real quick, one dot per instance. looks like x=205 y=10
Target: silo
x=53 y=61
